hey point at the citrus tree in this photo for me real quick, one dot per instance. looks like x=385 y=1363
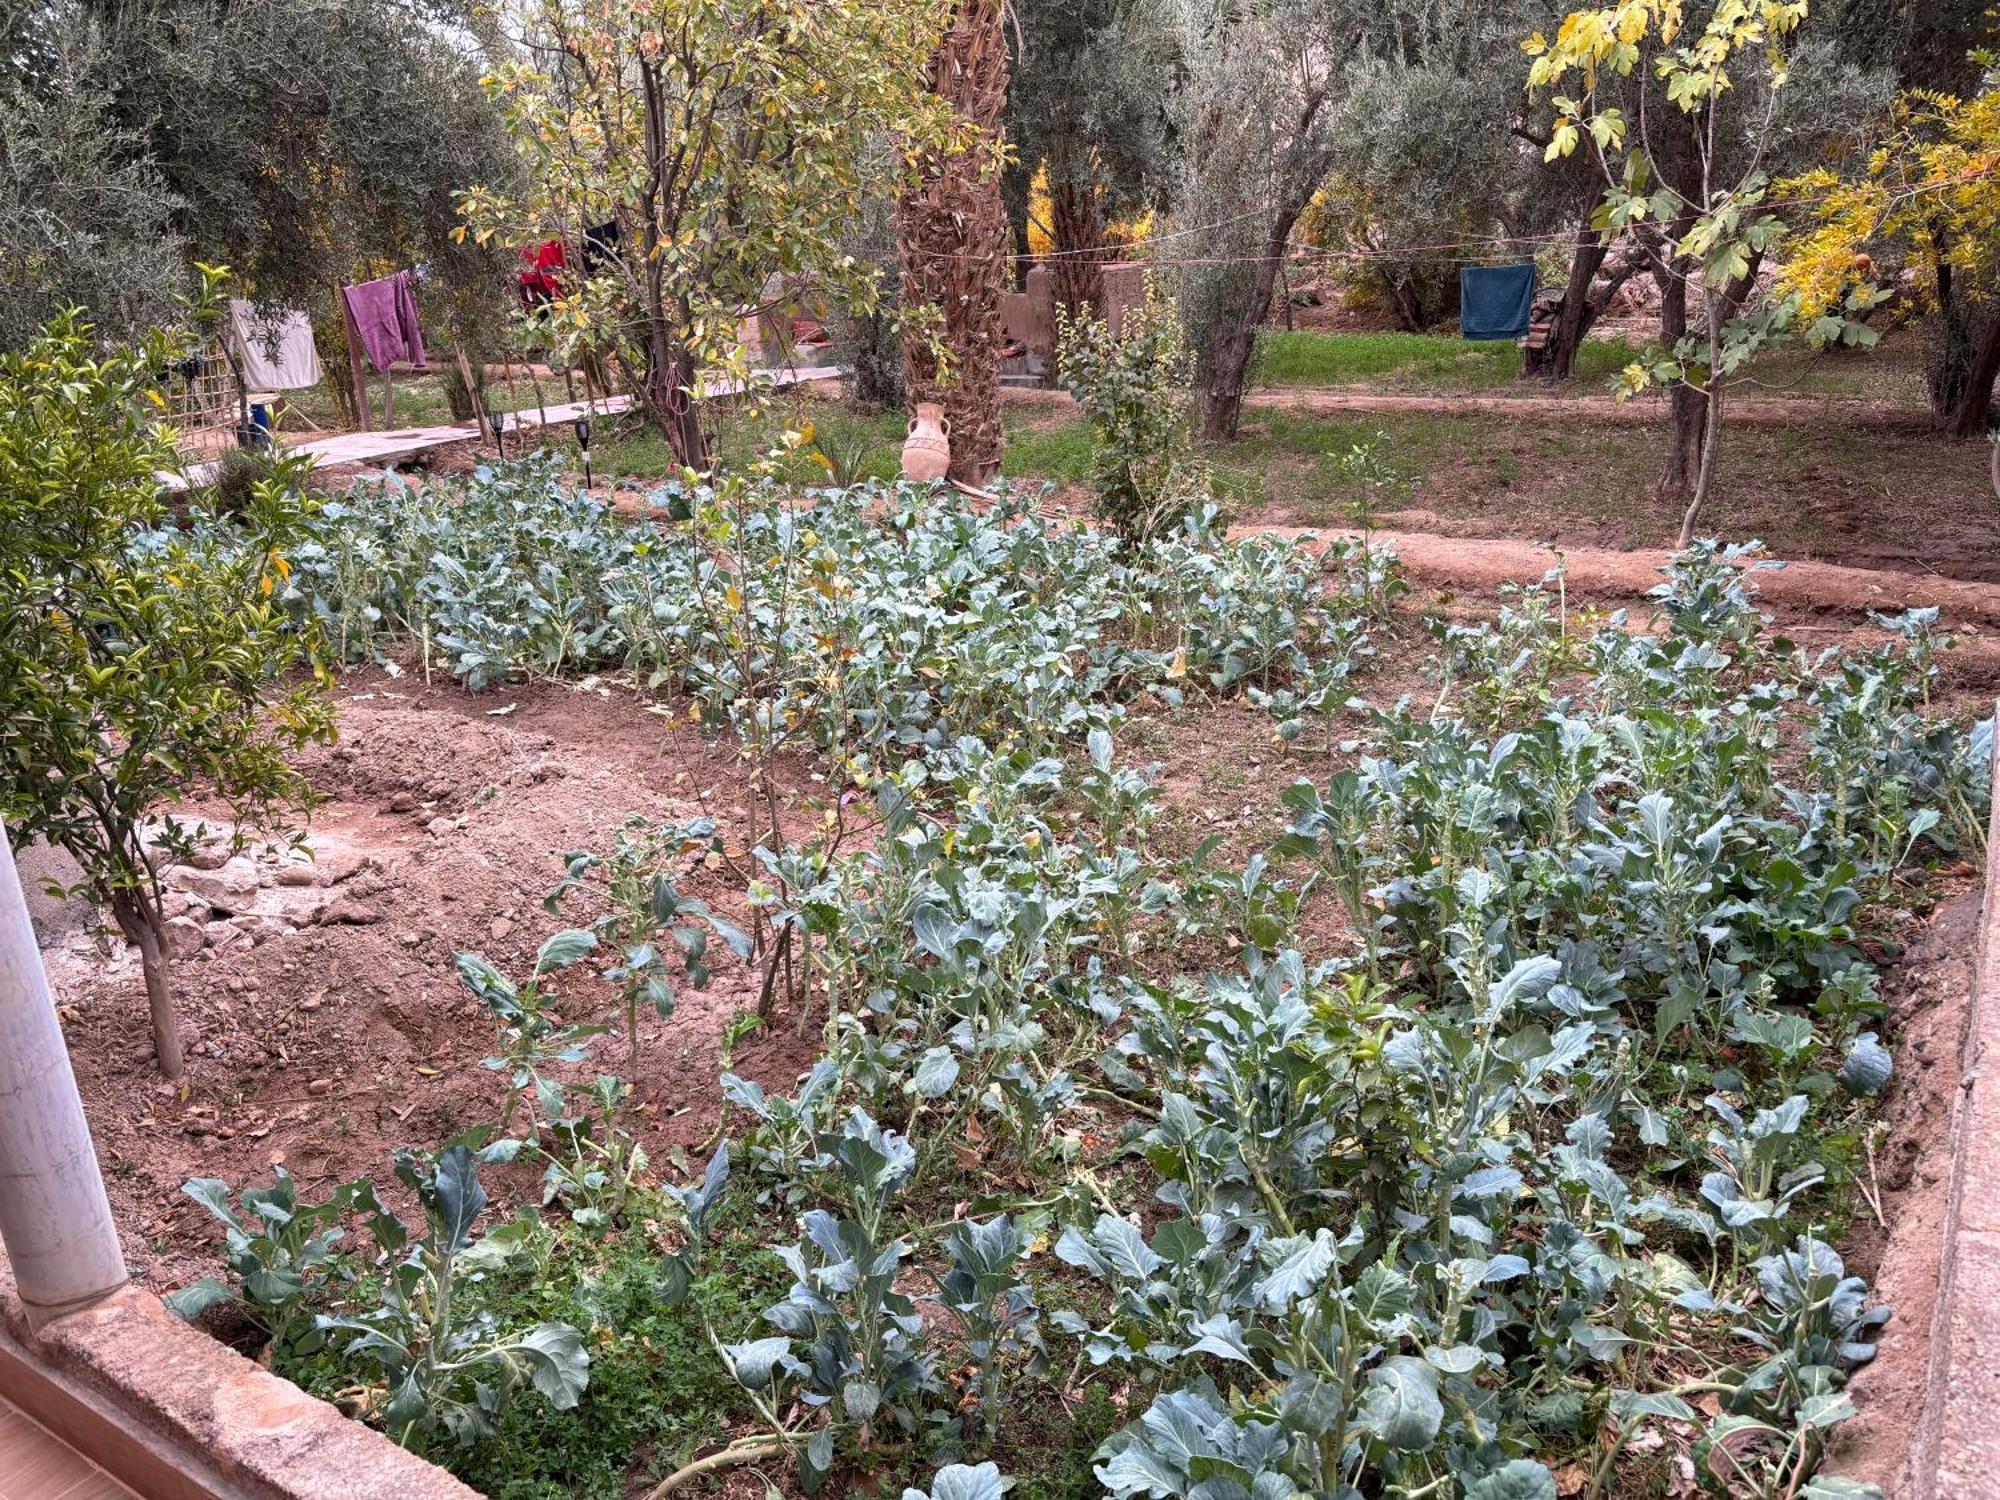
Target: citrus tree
x=1691 y=183
x=688 y=151
x=139 y=661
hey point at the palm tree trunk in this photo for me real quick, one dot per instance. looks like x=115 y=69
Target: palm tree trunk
x=951 y=245
x=1076 y=269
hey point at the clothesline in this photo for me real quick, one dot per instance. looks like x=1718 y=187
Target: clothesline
x=1472 y=250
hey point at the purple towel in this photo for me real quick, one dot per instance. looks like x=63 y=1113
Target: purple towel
x=384 y=312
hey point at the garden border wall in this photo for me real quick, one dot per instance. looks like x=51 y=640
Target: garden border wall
x=1955 y=1451
x=175 y=1415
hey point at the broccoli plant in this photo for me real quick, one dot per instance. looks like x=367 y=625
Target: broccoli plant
x=850 y=1342
x=593 y=1166
x=536 y=1033
x=648 y=918
x=963 y=1482
x=284 y=1258
x=447 y=1369
x=996 y=1312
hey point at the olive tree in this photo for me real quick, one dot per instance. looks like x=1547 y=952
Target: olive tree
x=727 y=143
x=85 y=217
x=306 y=142
x=1255 y=115
x=1424 y=157
x=1085 y=107
x=139 y=662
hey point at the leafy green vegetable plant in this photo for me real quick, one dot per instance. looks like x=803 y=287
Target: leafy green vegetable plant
x=448 y=1371
x=283 y=1256
x=648 y=917
x=594 y=1168
x=1131 y=386
x=534 y=1031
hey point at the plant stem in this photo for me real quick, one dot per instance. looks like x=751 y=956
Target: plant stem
x=743 y=1451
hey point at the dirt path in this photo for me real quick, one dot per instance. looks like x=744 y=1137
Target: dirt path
x=1796 y=588
x=1788 y=411
x=1337 y=400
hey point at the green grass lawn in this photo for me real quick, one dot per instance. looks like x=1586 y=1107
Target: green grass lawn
x=865 y=445
x=1442 y=364
x=1416 y=361
x=1808 y=491
x=1811 y=490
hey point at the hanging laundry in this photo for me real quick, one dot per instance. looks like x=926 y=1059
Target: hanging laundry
x=1495 y=302
x=277 y=352
x=540 y=278
x=383 y=316
x=600 y=246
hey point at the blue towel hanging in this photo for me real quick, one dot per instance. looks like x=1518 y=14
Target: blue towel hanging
x=1495 y=302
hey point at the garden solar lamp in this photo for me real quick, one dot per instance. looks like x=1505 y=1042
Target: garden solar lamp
x=583 y=442
x=499 y=421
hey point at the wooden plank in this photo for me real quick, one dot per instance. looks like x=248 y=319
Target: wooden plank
x=35 y=1465
x=368 y=447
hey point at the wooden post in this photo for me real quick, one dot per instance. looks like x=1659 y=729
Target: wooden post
x=54 y=1216
x=472 y=393
x=354 y=362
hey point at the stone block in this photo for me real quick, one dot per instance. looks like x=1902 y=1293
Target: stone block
x=184 y=1392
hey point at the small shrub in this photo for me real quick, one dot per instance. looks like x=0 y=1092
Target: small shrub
x=138 y=660
x=236 y=475
x=1131 y=386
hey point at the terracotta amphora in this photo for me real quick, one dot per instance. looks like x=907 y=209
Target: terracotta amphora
x=927 y=450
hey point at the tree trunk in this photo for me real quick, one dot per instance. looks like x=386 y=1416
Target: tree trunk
x=1016 y=189
x=1718 y=308
x=1948 y=339
x=667 y=395
x=139 y=919
x=1688 y=407
x=1076 y=268
x=1229 y=364
x=1227 y=367
x=951 y=243
x=1405 y=298
x=1556 y=360
x=1708 y=440
x=1973 y=413
x=667 y=380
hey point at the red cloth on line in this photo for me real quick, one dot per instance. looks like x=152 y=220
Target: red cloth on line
x=541 y=273
x=384 y=315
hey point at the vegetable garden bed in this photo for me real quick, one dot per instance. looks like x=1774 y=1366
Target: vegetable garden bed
x=1475 y=1117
